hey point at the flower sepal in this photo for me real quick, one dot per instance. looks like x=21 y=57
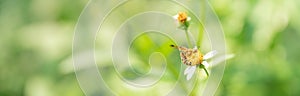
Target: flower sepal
x=184 y=25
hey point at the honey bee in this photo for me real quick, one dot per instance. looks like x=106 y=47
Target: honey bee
x=193 y=58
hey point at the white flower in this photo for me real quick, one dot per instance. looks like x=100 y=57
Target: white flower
x=182 y=17
x=182 y=20
x=190 y=70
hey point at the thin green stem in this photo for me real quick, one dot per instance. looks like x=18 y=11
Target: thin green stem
x=206 y=71
x=203 y=67
x=200 y=35
x=202 y=24
x=188 y=38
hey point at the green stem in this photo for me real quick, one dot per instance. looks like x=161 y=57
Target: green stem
x=206 y=71
x=202 y=24
x=200 y=35
x=188 y=38
x=202 y=66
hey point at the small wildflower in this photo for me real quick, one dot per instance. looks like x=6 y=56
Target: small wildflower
x=181 y=17
x=183 y=20
x=193 y=58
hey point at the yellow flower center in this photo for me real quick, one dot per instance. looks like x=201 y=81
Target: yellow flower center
x=182 y=17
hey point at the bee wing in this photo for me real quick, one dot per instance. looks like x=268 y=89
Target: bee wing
x=191 y=72
x=210 y=54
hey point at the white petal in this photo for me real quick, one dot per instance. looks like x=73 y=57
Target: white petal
x=188 y=19
x=187 y=69
x=175 y=17
x=210 y=54
x=205 y=63
x=195 y=48
x=191 y=72
x=220 y=59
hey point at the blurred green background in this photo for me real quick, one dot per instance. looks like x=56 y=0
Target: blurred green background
x=36 y=47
